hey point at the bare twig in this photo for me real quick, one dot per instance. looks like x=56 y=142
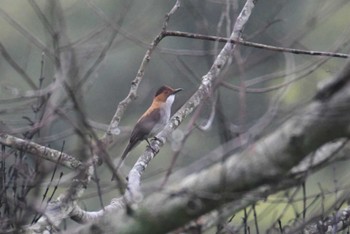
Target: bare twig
x=255 y=45
x=107 y=46
x=25 y=32
x=15 y=66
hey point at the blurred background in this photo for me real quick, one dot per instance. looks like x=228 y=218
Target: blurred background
x=107 y=40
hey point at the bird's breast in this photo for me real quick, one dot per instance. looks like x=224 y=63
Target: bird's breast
x=163 y=120
x=155 y=118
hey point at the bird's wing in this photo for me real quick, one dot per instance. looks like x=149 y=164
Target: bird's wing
x=141 y=131
x=145 y=125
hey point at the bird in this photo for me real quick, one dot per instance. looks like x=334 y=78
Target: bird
x=152 y=121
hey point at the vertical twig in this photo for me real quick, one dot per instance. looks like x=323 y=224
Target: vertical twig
x=255 y=220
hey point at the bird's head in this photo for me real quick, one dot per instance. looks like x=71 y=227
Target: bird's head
x=165 y=92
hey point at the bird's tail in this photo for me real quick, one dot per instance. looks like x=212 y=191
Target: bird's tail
x=126 y=151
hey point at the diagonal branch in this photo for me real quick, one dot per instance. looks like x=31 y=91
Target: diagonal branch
x=205 y=90
x=17 y=68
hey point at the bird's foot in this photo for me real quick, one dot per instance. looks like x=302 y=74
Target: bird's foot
x=156 y=139
x=150 y=147
x=153 y=149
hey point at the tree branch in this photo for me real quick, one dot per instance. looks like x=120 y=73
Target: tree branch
x=240 y=41
x=40 y=151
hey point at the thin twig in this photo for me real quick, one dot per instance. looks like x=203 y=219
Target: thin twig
x=17 y=68
x=255 y=45
x=25 y=32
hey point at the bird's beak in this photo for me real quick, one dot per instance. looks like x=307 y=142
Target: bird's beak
x=177 y=90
